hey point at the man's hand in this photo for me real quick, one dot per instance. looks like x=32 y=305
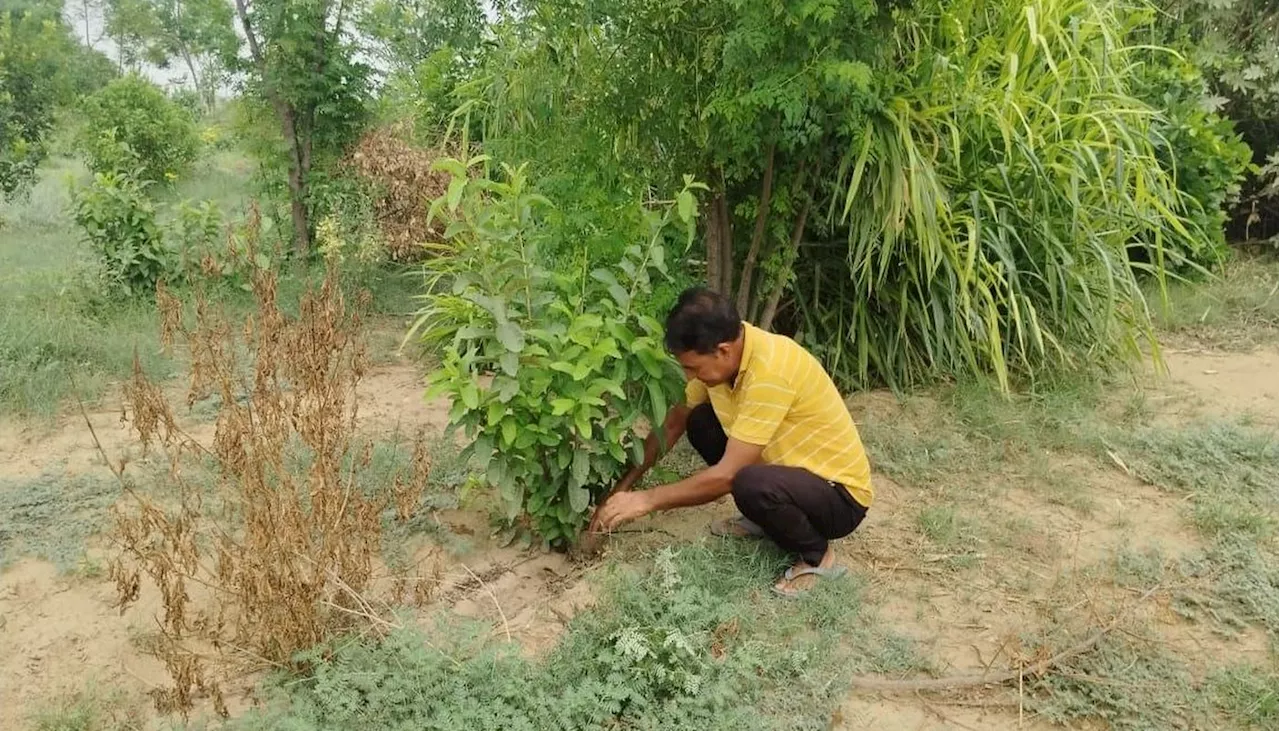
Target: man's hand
x=624 y=507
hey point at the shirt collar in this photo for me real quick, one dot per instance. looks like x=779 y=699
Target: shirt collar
x=749 y=337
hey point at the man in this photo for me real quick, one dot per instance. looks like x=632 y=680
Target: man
x=774 y=432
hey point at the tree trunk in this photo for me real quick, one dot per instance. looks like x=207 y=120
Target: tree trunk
x=714 y=240
x=299 y=166
x=84 y=5
x=771 y=306
x=195 y=76
x=757 y=236
x=726 y=242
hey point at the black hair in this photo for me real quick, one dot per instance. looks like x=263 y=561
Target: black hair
x=700 y=321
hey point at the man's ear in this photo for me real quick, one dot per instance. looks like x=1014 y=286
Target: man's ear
x=724 y=350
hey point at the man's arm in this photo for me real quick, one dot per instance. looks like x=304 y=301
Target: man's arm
x=702 y=487
x=672 y=429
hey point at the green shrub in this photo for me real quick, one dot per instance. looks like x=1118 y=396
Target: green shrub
x=130 y=125
x=575 y=364
x=1208 y=159
x=119 y=222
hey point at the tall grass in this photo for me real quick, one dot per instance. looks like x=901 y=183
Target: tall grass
x=999 y=201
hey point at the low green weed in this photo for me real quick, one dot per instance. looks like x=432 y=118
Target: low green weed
x=52 y=516
x=1247 y=695
x=1126 y=684
x=1228 y=469
x=1237 y=310
x=693 y=643
x=89 y=710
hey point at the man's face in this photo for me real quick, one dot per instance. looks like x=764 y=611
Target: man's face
x=714 y=368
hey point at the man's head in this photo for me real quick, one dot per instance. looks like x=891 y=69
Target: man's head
x=705 y=334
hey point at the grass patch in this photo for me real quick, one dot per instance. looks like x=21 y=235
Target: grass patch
x=52 y=516
x=1218 y=456
x=1246 y=695
x=693 y=643
x=1235 y=311
x=89 y=711
x=1128 y=684
x=1228 y=469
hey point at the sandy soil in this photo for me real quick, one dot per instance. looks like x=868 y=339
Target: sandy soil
x=60 y=633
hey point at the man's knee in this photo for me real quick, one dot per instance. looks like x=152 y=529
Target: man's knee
x=752 y=482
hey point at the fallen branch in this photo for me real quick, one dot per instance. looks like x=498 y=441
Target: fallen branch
x=953 y=682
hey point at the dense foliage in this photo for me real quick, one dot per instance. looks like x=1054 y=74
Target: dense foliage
x=966 y=198
x=549 y=373
x=1232 y=43
x=131 y=126
x=42 y=68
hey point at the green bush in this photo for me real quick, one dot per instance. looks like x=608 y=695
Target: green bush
x=575 y=365
x=130 y=125
x=1201 y=148
x=119 y=222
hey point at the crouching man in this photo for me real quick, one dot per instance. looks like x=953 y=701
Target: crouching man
x=774 y=432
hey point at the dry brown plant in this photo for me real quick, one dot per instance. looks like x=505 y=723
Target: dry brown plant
x=405 y=184
x=280 y=549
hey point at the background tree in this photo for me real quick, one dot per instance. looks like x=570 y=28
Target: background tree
x=302 y=63
x=42 y=67
x=199 y=34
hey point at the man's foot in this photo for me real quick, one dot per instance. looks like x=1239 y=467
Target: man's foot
x=802 y=577
x=738 y=527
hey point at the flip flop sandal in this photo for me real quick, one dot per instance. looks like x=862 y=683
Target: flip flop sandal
x=726 y=528
x=791 y=574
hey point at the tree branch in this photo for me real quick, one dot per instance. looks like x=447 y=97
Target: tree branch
x=771 y=306
x=757 y=236
x=255 y=50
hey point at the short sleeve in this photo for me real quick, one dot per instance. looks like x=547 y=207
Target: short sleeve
x=764 y=403
x=695 y=392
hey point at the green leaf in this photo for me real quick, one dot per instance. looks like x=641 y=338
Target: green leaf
x=562 y=406
x=511 y=336
x=496 y=410
x=685 y=205
x=584 y=423
x=620 y=295
x=509 y=429
x=507 y=388
x=616 y=451
x=581 y=468
x=470 y=396
x=659 y=401
x=454 y=194
x=579 y=499
x=581 y=371
x=510 y=362
x=651 y=364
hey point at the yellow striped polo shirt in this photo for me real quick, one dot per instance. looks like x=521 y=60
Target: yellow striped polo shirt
x=784 y=400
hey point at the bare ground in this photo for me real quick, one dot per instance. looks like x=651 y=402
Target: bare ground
x=965 y=606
